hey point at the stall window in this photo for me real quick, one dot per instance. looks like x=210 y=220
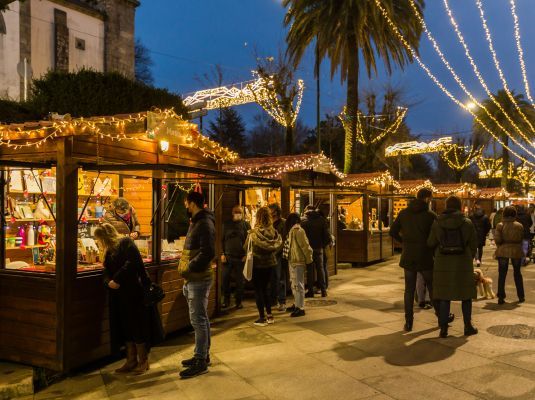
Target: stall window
x=254 y=198
x=28 y=218
x=124 y=201
x=350 y=212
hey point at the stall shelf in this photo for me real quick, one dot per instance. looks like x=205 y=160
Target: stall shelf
x=57 y=318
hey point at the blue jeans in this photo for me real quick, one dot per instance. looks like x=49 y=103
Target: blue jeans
x=503 y=266
x=297 y=277
x=196 y=293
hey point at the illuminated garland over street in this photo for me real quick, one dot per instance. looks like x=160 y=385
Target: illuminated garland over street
x=460 y=157
x=362 y=180
x=345 y=119
x=521 y=52
x=443 y=88
x=414 y=147
x=489 y=166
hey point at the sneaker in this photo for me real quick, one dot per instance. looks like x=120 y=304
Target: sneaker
x=260 y=322
x=408 y=326
x=282 y=307
x=309 y=294
x=501 y=301
x=190 y=361
x=270 y=319
x=297 y=313
x=444 y=332
x=292 y=308
x=198 y=367
x=323 y=293
x=421 y=304
x=239 y=306
x=470 y=330
x=521 y=300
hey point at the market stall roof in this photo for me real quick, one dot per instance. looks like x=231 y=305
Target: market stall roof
x=275 y=167
x=412 y=186
x=361 y=181
x=492 y=193
x=450 y=189
x=163 y=126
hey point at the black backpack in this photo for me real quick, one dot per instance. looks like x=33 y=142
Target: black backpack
x=451 y=241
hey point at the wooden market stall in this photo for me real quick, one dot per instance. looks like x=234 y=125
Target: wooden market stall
x=467 y=192
x=365 y=208
x=58 y=179
x=493 y=198
x=304 y=179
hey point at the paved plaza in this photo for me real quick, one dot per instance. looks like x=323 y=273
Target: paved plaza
x=349 y=347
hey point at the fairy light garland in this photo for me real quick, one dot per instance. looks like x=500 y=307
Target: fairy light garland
x=498 y=66
x=359 y=134
x=488 y=167
x=460 y=82
x=459 y=157
x=414 y=147
x=486 y=193
x=441 y=86
x=355 y=181
x=520 y=52
x=427 y=184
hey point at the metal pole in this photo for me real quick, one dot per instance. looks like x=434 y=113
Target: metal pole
x=318 y=116
x=399 y=167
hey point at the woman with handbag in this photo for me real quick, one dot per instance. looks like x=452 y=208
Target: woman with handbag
x=508 y=237
x=264 y=243
x=299 y=254
x=125 y=275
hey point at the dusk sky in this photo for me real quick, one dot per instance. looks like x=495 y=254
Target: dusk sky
x=187 y=37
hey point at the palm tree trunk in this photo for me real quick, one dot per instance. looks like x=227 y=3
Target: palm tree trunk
x=350 y=155
x=505 y=163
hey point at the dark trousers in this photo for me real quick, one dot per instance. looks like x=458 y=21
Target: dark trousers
x=278 y=283
x=317 y=265
x=410 y=288
x=503 y=266
x=480 y=252
x=233 y=266
x=326 y=269
x=444 y=312
x=261 y=279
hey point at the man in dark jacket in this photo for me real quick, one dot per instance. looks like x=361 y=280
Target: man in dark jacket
x=280 y=274
x=524 y=218
x=195 y=267
x=411 y=228
x=234 y=236
x=317 y=230
x=482 y=224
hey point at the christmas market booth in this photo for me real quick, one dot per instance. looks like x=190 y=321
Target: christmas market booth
x=493 y=198
x=60 y=179
x=304 y=179
x=364 y=216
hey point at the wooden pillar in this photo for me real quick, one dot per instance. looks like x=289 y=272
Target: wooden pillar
x=216 y=200
x=366 y=224
x=285 y=196
x=334 y=227
x=66 y=246
x=157 y=223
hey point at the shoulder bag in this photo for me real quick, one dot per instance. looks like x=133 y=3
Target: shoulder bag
x=248 y=267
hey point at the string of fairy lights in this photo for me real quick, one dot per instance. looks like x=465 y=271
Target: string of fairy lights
x=356 y=181
x=359 y=133
x=520 y=51
x=402 y=39
x=498 y=67
x=459 y=157
x=115 y=129
x=415 y=147
x=458 y=79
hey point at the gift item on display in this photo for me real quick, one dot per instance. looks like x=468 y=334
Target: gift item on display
x=21 y=234
x=15 y=181
x=30 y=235
x=42 y=211
x=31 y=181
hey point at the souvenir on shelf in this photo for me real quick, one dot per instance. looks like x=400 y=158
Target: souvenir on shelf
x=26 y=211
x=15 y=181
x=42 y=211
x=106 y=187
x=49 y=184
x=13 y=209
x=44 y=234
x=30 y=180
x=81 y=184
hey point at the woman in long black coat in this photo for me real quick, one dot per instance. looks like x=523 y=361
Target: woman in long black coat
x=125 y=275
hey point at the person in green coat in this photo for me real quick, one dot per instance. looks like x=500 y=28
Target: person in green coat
x=411 y=228
x=454 y=239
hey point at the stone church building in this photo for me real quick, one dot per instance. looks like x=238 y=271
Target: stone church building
x=66 y=35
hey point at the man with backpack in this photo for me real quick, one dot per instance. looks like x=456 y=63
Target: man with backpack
x=455 y=241
x=411 y=228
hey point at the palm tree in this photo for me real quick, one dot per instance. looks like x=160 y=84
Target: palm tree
x=482 y=137
x=345 y=31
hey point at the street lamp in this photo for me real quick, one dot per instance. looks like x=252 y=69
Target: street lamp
x=471 y=105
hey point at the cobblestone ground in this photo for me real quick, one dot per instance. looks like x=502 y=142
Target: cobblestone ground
x=350 y=348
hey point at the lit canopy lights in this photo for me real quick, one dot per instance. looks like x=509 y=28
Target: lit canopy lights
x=382 y=179
x=459 y=157
x=414 y=147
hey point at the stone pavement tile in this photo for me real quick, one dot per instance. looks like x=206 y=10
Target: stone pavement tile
x=338 y=324
x=379 y=397
x=220 y=383
x=241 y=338
x=373 y=316
x=409 y=385
x=321 y=382
x=81 y=387
x=156 y=380
x=351 y=336
x=307 y=341
x=494 y=382
x=166 y=360
x=264 y=360
x=522 y=359
x=15 y=380
x=355 y=362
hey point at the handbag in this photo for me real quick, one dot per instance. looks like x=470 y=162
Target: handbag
x=248 y=267
x=152 y=293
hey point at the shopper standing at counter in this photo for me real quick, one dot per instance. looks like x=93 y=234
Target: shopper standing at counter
x=317 y=229
x=411 y=228
x=123 y=218
x=195 y=268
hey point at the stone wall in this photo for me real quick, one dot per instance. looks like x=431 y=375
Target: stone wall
x=61 y=41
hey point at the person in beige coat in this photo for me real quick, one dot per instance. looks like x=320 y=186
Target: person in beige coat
x=299 y=255
x=123 y=218
x=508 y=237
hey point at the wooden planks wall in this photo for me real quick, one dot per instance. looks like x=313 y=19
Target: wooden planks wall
x=28 y=320
x=138 y=192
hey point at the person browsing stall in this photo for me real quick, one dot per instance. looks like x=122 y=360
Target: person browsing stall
x=123 y=218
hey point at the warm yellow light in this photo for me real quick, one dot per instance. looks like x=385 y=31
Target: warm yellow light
x=471 y=105
x=164 y=145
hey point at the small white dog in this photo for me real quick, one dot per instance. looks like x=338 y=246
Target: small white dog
x=484 y=284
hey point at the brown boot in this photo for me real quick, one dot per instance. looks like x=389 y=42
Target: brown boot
x=131 y=359
x=143 y=360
